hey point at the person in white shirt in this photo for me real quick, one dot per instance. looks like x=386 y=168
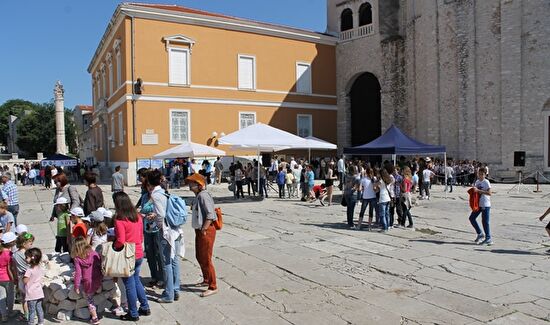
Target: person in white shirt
x=449 y=173
x=483 y=187
x=427 y=174
x=341 y=168
x=368 y=197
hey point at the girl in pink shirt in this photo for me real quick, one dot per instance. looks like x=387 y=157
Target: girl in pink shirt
x=6 y=275
x=87 y=275
x=33 y=285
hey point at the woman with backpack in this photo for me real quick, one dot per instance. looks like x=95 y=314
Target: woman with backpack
x=203 y=216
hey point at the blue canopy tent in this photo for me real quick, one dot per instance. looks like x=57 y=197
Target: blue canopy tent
x=395 y=142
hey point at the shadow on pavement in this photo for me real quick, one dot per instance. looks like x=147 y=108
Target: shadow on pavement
x=511 y=252
x=333 y=225
x=442 y=242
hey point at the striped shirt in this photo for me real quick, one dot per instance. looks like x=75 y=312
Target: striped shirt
x=10 y=194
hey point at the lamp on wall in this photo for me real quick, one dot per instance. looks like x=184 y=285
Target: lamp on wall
x=214 y=138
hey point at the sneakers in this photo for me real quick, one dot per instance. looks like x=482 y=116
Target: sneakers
x=94 y=321
x=352 y=227
x=488 y=242
x=209 y=292
x=480 y=239
x=119 y=311
x=144 y=312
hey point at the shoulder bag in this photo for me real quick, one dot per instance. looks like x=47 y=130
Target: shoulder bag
x=118 y=263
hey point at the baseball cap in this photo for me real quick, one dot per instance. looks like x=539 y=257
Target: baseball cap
x=21 y=228
x=8 y=237
x=106 y=213
x=96 y=216
x=77 y=212
x=61 y=200
x=86 y=218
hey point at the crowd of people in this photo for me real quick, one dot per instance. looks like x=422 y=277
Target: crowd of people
x=84 y=227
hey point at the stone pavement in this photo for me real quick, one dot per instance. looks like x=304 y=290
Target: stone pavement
x=286 y=262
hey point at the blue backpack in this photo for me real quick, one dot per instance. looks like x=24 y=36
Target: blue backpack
x=176 y=211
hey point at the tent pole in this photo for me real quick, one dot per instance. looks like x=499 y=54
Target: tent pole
x=393 y=158
x=445 y=172
x=309 y=155
x=259 y=166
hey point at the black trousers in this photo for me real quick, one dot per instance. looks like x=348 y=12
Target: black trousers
x=61 y=245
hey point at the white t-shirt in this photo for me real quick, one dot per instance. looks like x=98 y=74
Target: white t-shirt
x=449 y=171
x=426 y=173
x=484 y=200
x=384 y=193
x=368 y=190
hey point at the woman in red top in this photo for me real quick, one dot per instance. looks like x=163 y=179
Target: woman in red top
x=129 y=229
x=406 y=187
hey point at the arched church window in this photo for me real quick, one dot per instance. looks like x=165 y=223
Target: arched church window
x=346 y=20
x=365 y=14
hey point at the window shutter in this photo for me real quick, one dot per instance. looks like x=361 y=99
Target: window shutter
x=178 y=66
x=246 y=73
x=303 y=78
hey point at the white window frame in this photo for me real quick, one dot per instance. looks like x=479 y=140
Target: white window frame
x=120 y=129
x=298 y=123
x=254 y=75
x=172 y=140
x=310 y=87
x=188 y=77
x=240 y=118
x=112 y=133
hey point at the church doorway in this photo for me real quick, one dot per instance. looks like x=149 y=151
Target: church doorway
x=366 y=115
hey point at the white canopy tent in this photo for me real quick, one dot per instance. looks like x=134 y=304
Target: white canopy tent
x=263 y=137
x=189 y=149
x=320 y=144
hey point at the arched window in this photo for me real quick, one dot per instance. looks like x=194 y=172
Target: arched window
x=365 y=14
x=346 y=20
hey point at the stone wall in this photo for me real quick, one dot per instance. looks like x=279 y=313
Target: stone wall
x=471 y=75
x=60 y=298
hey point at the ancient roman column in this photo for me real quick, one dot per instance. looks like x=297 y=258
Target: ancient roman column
x=60 y=118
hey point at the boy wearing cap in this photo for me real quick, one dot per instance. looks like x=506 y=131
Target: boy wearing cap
x=6 y=218
x=61 y=207
x=79 y=228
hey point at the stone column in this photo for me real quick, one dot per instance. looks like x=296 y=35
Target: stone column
x=60 y=118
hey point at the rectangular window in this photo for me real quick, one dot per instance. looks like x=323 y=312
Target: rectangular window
x=112 y=133
x=120 y=130
x=103 y=84
x=246 y=119
x=305 y=126
x=247 y=72
x=100 y=137
x=179 y=66
x=303 y=78
x=110 y=79
x=118 y=69
x=179 y=126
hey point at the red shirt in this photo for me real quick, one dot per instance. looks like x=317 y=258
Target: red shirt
x=5 y=262
x=130 y=232
x=80 y=230
x=317 y=189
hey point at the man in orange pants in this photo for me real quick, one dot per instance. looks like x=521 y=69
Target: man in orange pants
x=203 y=216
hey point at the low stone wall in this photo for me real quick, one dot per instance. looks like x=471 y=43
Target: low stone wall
x=60 y=298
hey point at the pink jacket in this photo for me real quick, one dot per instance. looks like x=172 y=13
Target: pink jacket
x=130 y=232
x=87 y=275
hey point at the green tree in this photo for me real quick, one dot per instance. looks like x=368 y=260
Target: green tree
x=15 y=107
x=36 y=131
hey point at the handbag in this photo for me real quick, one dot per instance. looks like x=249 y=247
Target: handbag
x=344 y=202
x=218 y=223
x=118 y=264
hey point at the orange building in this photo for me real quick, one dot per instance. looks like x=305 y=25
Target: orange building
x=203 y=74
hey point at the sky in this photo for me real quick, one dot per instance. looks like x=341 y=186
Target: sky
x=42 y=41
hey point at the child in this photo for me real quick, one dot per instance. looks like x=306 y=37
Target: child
x=320 y=193
x=281 y=179
x=98 y=230
x=21 y=228
x=23 y=242
x=79 y=228
x=6 y=275
x=33 y=285
x=63 y=216
x=87 y=273
x=483 y=187
x=6 y=217
x=289 y=180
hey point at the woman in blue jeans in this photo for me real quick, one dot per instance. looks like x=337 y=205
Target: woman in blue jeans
x=384 y=200
x=483 y=187
x=129 y=229
x=351 y=189
x=152 y=240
